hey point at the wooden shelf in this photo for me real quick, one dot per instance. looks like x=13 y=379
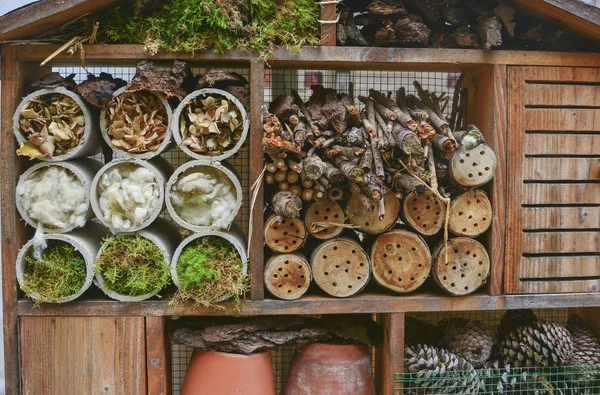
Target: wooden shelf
x=362 y=303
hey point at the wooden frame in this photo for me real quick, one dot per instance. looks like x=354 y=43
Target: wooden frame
x=487 y=82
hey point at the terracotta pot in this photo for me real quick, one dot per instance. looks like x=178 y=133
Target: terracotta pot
x=330 y=369
x=218 y=373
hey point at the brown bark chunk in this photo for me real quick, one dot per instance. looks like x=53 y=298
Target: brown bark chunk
x=98 y=91
x=172 y=83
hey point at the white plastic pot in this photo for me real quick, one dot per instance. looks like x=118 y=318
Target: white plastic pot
x=144 y=155
x=165 y=236
x=190 y=167
x=181 y=108
x=90 y=142
x=234 y=235
x=85 y=240
x=161 y=169
x=83 y=169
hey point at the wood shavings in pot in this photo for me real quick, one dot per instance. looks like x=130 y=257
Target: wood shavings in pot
x=54 y=197
x=128 y=196
x=211 y=125
x=53 y=125
x=204 y=197
x=136 y=122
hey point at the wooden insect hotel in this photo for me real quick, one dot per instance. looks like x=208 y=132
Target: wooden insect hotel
x=430 y=169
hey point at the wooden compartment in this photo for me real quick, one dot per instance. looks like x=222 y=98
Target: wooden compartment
x=554 y=173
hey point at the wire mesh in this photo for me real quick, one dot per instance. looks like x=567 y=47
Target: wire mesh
x=176 y=157
x=575 y=380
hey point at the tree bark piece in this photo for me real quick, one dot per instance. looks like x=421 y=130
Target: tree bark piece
x=429 y=9
x=340 y=267
x=368 y=220
x=473 y=168
x=287 y=276
x=284 y=234
x=425 y=213
x=172 y=83
x=409 y=32
x=321 y=216
x=283 y=107
x=470 y=213
x=98 y=91
x=490 y=32
x=401 y=261
x=467 y=269
x=461 y=38
x=287 y=204
x=220 y=79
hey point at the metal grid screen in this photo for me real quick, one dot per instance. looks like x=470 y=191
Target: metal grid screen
x=240 y=161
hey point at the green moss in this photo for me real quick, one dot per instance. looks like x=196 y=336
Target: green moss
x=132 y=265
x=194 y=25
x=209 y=269
x=59 y=273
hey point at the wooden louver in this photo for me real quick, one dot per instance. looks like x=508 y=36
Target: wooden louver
x=553 y=237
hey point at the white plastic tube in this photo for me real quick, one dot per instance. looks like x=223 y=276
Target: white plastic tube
x=89 y=145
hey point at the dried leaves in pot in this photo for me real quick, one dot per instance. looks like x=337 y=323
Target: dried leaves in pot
x=136 y=122
x=211 y=125
x=53 y=125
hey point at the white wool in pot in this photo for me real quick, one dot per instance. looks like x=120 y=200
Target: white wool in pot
x=205 y=197
x=128 y=196
x=54 y=197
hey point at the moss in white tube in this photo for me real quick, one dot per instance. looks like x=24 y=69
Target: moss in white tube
x=54 y=197
x=128 y=195
x=205 y=197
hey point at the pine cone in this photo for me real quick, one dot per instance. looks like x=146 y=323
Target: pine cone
x=539 y=344
x=469 y=339
x=513 y=319
x=496 y=379
x=586 y=352
x=432 y=370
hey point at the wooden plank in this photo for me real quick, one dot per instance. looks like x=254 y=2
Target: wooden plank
x=328 y=57
x=515 y=148
x=561 y=169
x=553 y=242
x=567 y=94
x=390 y=354
x=158 y=358
x=561 y=218
x=557 y=287
x=83 y=355
x=256 y=242
x=561 y=194
x=560 y=267
x=328 y=24
x=562 y=119
x=561 y=74
x=44 y=16
x=575 y=15
x=562 y=144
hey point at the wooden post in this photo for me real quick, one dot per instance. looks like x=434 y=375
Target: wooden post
x=257 y=82
x=328 y=29
x=158 y=356
x=390 y=355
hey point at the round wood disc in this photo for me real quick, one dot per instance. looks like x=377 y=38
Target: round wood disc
x=425 y=213
x=473 y=168
x=287 y=276
x=369 y=221
x=324 y=211
x=467 y=269
x=470 y=214
x=400 y=261
x=340 y=267
x=284 y=234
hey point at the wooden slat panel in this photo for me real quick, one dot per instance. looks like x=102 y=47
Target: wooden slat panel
x=571 y=120
x=571 y=242
x=83 y=355
x=562 y=144
x=562 y=95
x=561 y=169
x=561 y=194
x=548 y=287
x=557 y=267
x=561 y=217
x=561 y=74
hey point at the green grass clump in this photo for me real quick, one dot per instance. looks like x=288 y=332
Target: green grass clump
x=132 y=265
x=59 y=273
x=209 y=269
x=195 y=25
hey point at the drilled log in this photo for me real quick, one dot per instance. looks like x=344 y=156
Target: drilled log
x=473 y=168
x=320 y=218
x=368 y=220
x=424 y=213
x=284 y=234
x=470 y=214
x=287 y=276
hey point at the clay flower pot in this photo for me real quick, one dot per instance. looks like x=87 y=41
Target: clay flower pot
x=330 y=369
x=218 y=373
